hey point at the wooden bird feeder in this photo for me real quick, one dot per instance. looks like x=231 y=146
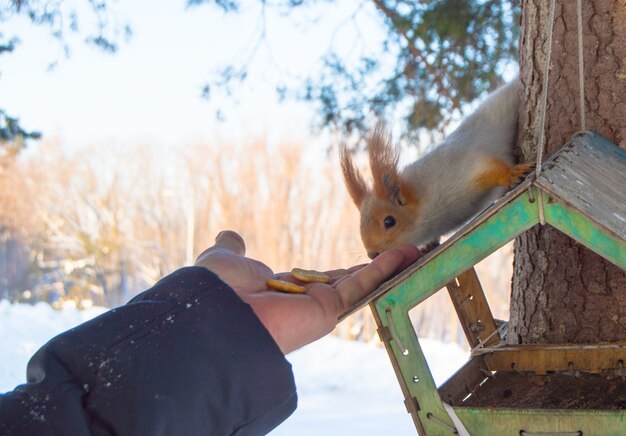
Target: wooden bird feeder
x=582 y=193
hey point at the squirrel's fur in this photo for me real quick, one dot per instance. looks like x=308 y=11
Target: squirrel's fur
x=443 y=189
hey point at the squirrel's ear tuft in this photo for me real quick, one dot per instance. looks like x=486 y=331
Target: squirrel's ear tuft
x=384 y=157
x=354 y=181
x=384 y=163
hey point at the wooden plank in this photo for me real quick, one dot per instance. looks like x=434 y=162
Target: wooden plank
x=472 y=309
x=505 y=422
x=464 y=382
x=541 y=358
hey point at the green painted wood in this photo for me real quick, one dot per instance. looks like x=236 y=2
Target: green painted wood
x=510 y=422
x=587 y=232
x=415 y=375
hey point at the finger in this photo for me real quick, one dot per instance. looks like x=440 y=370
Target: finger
x=231 y=241
x=225 y=240
x=411 y=254
x=368 y=278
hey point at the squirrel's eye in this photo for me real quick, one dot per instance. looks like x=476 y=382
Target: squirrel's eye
x=389 y=222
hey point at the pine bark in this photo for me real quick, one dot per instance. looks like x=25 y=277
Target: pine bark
x=561 y=291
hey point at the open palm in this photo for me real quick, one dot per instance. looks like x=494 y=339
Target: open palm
x=295 y=320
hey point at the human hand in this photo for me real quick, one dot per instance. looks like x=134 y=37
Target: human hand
x=295 y=320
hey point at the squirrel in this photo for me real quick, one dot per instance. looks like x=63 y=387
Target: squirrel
x=445 y=188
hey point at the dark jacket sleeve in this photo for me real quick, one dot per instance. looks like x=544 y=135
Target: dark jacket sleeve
x=187 y=357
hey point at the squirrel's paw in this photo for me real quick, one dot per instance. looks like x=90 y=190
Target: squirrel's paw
x=519 y=172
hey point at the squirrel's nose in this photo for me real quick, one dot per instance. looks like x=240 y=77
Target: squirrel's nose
x=372 y=254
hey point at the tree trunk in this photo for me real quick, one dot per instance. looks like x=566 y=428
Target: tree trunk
x=563 y=292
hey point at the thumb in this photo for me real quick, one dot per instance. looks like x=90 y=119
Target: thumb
x=226 y=240
x=231 y=241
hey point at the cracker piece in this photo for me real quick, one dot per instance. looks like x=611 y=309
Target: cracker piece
x=283 y=286
x=309 y=275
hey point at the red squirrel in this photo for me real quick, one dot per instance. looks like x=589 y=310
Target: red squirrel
x=442 y=190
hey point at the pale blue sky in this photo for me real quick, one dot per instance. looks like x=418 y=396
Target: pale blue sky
x=150 y=89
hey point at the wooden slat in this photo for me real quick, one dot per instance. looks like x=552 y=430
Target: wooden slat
x=472 y=309
x=541 y=358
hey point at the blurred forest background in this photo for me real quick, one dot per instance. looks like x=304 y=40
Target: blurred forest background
x=102 y=224
x=97 y=225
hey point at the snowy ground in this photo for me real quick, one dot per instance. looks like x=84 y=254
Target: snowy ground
x=344 y=388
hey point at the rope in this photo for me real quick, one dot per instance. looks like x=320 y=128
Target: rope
x=581 y=64
x=544 y=94
x=542 y=111
x=546 y=74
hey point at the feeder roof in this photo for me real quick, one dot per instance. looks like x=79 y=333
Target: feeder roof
x=589 y=175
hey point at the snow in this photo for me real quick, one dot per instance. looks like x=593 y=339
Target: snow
x=349 y=388
x=25 y=328
x=344 y=387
